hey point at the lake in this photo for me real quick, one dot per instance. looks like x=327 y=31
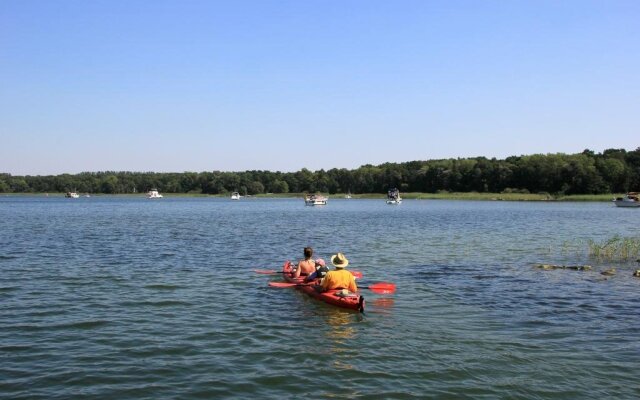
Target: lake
x=129 y=298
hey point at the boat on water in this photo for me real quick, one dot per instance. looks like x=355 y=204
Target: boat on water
x=352 y=301
x=72 y=195
x=235 y=196
x=153 y=194
x=348 y=195
x=631 y=199
x=393 y=197
x=315 y=200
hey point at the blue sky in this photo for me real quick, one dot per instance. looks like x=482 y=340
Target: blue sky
x=283 y=85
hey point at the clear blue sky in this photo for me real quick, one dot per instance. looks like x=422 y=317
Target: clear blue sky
x=282 y=85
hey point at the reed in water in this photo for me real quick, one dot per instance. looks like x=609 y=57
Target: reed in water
x=616 y=248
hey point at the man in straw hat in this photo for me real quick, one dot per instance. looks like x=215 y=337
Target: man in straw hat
x=339 y=278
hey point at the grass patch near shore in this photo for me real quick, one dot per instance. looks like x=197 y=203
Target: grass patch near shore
x=588 y=197
x=615 y=249
x=477 y=196
x=485 y=196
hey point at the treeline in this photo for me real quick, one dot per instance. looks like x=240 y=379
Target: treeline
x=612 y=171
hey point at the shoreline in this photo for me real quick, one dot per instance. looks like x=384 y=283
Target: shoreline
x=375 y=196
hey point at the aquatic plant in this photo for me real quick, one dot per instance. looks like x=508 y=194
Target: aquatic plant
x=616 y=248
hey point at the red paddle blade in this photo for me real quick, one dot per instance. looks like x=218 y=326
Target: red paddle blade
x=282 y=284
x=356 y=274
x=264 y=271
x=382 y=287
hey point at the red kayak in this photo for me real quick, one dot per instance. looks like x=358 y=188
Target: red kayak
x=353 y=301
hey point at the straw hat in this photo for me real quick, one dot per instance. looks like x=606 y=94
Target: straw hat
x=339 y=260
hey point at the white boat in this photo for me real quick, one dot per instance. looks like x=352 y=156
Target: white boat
x=72 y=195
x=315 y=200
x=393 y=197
x=348 y=195
x=631 y=199
x=153 y=194
x=235 y=196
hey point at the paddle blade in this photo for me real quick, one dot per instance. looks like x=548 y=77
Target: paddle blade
x=265 y=271
x=282 y=284
x=356 y=274
x=382 y=287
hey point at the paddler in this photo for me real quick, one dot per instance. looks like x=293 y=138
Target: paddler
x=339 y=278
x=307 y=266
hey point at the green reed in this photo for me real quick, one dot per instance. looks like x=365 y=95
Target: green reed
x=616 y=248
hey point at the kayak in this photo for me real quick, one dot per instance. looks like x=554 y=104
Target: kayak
x=353 y=301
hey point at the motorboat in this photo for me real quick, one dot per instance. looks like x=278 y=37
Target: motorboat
x=235 y=196
x=315 y=200
x=631 y=199
x=348 y=195
x=393 y=197
x=71 y=195
x=153 y=194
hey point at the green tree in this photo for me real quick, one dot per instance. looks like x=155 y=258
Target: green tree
x=19 y=185
x=305 y=180
x=255 y=187
x=614 y=174
x=110 y=184
x=4 y=186
x=279 y=186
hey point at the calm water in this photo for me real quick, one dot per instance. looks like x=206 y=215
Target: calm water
x=122 y=298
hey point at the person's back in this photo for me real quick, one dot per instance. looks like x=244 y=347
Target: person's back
x=339 y=279
x=306 y=266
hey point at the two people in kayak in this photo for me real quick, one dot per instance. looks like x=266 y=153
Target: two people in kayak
x=316 y=271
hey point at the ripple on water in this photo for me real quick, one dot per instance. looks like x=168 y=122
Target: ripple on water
x=162 y=286
x=154 y=303
x=65 y=326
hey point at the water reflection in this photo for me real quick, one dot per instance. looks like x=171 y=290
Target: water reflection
x=383 y=302
x=340 y=328
x=340 y=336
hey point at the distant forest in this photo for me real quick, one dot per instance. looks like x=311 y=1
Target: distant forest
x=612 y=171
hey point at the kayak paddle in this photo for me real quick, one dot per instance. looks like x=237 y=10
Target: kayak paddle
x=357 y=274
x=287 y=284
x=267 y=271
x=380 y=287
